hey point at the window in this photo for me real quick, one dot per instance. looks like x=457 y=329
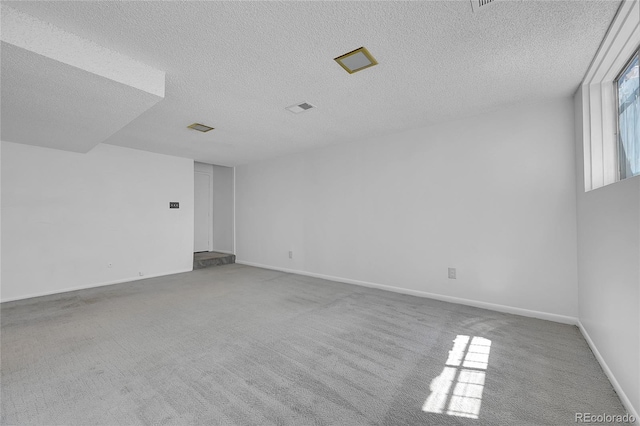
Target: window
x=628 y=115
x=608 y=126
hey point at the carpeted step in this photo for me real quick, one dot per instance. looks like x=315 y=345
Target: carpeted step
x=211 y=258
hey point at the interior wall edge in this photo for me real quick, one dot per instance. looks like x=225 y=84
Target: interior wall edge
x=564 y=319
x=102 y=284
x=612 y=378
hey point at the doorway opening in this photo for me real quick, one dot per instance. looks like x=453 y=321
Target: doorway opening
x=213 y=209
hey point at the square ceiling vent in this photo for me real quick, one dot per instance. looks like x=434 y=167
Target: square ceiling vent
x=301 y=107
x=200 y=127
x=356 y=60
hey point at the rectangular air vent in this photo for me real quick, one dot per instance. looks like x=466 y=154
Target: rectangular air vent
x=476 y=5
x=200 y=127
x=301 y=107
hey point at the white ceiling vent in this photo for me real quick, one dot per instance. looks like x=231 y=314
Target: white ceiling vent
x=476 y=5
x=301 y=107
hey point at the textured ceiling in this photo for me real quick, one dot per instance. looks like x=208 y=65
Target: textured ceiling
x=53 y=104
x=236 y=66
x=62 y=91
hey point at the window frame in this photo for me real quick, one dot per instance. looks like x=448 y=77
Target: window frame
x=634 y=56
x=598 y=127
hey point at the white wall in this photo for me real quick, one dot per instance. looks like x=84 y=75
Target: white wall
x=492 y=195
x=609 y=274
x=223 y=209
x=66 y=216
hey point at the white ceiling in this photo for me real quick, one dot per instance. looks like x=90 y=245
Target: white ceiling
x=237 y=65
x=53 y=104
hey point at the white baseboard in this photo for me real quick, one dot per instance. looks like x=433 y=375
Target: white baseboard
x=83 y=287
x=614 y=382
x=469 y=302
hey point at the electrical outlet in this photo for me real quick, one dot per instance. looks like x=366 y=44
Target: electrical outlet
x=290 y=254
x=174 y=205
x=452 y=273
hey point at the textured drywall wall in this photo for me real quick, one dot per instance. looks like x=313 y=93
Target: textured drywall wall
x=492 y=195
x=66 y=217
x=609 y=271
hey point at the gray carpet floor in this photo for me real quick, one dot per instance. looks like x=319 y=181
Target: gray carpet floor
x=236 y=345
